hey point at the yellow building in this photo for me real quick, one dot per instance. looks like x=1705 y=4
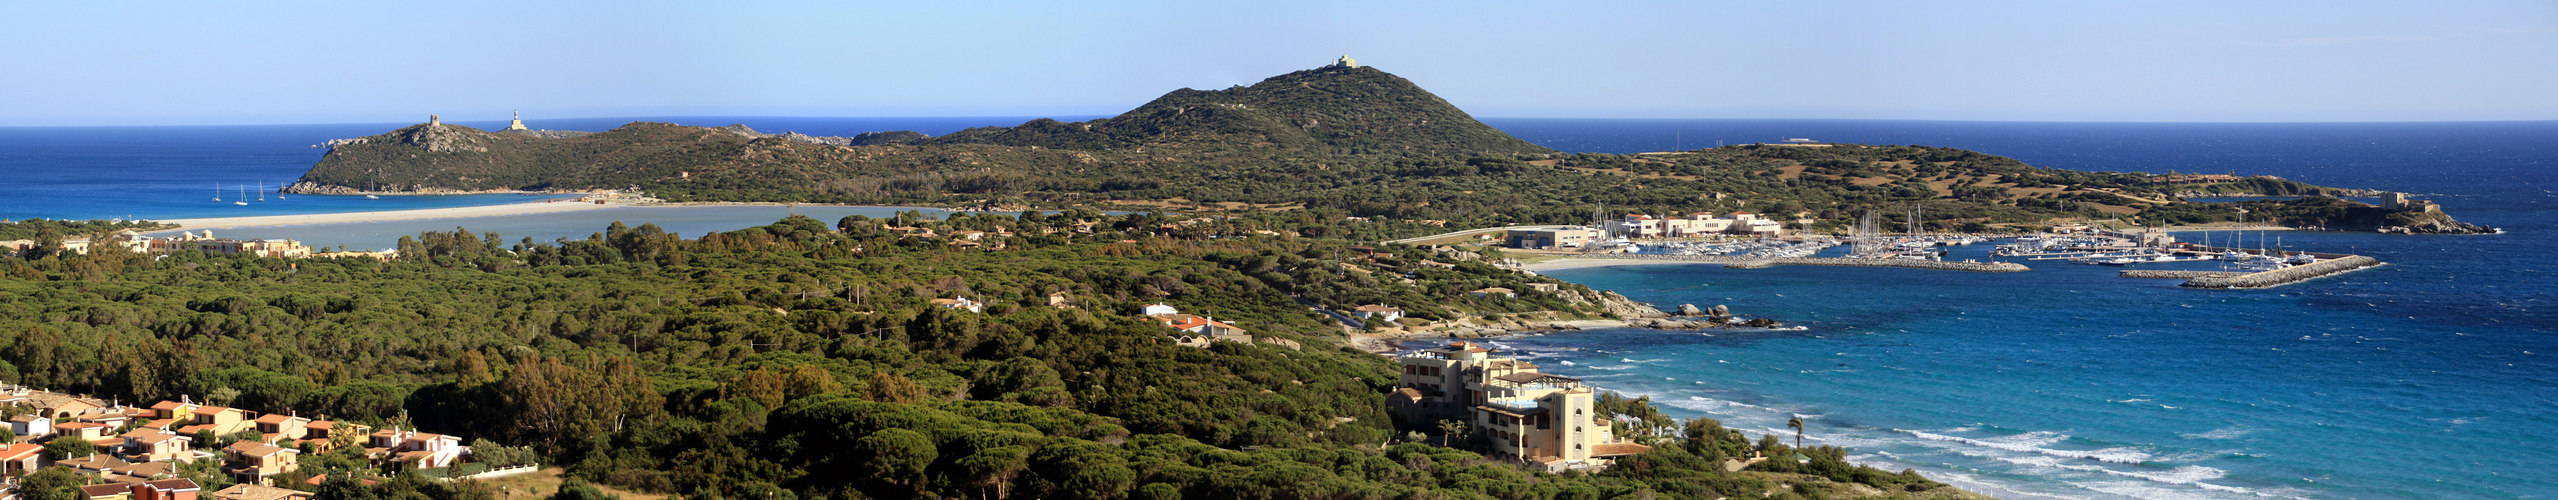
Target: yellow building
x=1551 y=421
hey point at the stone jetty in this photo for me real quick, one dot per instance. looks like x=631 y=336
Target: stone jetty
x=1752 y=262
x=2288 y=275
x=2180 y=275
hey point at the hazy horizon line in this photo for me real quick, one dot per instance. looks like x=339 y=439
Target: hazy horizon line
x=637 y=118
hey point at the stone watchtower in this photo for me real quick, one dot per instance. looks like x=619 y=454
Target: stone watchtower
x=1346 y=62
x=518 y=124
x=434 y=121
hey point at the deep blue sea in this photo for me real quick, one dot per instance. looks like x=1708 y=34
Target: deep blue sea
x=2427 y=378
x=176 y=172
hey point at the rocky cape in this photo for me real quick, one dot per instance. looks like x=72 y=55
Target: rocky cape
x=2338 y=214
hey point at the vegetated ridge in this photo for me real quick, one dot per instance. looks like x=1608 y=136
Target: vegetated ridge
x=1357 y=141
x=812 y=360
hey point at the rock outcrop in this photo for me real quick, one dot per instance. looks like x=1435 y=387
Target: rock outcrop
x=2429 y=223
x=439 y=138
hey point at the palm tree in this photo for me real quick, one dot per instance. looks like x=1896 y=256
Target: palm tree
x=1449 y=427
x=1797 y=424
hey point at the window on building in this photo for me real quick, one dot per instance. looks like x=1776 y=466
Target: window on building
x=1541 y=423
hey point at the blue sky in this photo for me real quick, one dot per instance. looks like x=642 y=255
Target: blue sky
x=150 y=63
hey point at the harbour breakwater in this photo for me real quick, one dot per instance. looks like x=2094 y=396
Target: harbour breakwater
x=1749 y=262
x=2170 y=274
x=2288 y=275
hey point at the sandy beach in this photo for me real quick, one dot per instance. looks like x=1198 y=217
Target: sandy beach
x=389 y=215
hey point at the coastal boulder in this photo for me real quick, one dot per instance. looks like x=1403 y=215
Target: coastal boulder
x=1690 y=310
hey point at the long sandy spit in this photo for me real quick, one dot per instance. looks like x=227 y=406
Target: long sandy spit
x=387 y=215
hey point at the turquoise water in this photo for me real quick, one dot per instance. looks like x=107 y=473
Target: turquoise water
x=2068 y=381
x=2427 y=378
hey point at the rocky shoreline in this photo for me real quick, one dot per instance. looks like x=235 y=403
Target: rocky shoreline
x=1688 y=317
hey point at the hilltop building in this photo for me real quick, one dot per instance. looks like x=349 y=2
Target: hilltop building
x=1346 y=62
x=518 y=123
x=2398 y=202
x=1548 y=420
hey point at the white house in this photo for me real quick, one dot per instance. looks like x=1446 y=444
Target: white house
x=1159 y=309
x=31 y=425
x=961 y=303
x=1381 y=311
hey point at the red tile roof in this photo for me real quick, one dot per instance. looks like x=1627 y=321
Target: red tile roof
x=20 y=451
x=172 y=485
x=104 y=490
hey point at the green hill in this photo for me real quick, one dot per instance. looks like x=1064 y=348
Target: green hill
x=1335 y=109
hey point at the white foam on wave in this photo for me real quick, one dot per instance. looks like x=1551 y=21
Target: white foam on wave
x=2220 y=433
x=2034 y=442
x=2141 y=489
x=1618 y=367
x=1709 y=405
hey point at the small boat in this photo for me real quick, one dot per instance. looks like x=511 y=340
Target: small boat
x=261 y=191
x=217 y=192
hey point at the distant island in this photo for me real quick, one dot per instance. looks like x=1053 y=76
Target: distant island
x=1346 y=138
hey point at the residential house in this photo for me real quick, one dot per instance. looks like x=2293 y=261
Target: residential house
x=424 y=450
x=95 y=465
x=220 y=420
x=110 y=491
x=167 y=415
x=31 y=425
x=85 y=431
x=1550 y=420
x=961 y=303
x=64 y=406
x=246 y=491
x=255 y=463
x=280 y=427
x=1199 y=325
x=1158 y=309
x=320 y=434
x=157 y=446
x=20 y=459
x=114 y=418
x=166 y=489
x=140 y=472
x=1381 y=312
x=1493 y=292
